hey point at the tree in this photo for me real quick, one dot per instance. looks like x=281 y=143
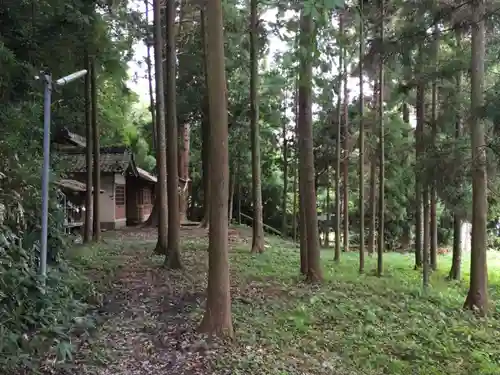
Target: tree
x=96 y=223
x=205 y=128
x=381 y=176
x=361 y=143
x=88 y=153
x=217 y=317
x=345 y=161
x=457 y=220
x=307 y=159
x=434 y=119
x=477 y=297
x=161 y=152
x=338 y=144
x=172 y=259
x=257 y=225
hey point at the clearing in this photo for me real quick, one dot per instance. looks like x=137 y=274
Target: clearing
x=350 y=324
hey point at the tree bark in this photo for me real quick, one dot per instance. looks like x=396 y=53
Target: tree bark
x=477 y=297
x=217 y=318
x=96 y=222
x=361 y=143
x=150 y=80
x=232 y=184
x=205 y=129
x=456 y=263
x=326 y=242
x=373 y=182
x=161 y=156
x=173 y=257
x=381 y=176
x=300 y=172
x=338 y=145
x=345 y=162
x=184 y=154
x=87 y=236
x=434 y=113
x=284 y=219
x=257 y=225
x=420 y=109
x=306 y=133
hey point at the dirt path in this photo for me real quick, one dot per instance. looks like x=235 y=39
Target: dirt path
x=148 y=319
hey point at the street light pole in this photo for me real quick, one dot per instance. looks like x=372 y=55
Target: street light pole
x=47 y=101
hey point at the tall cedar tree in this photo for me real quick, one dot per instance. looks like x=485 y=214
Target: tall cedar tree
x=150 y=78
x=161 y=152
x=381 y=192
x=299 y=171
x=284 y=221
x=306 y=134
x=477 y=298
x=373 y=180
x=205 y=129
x=434 y=115
x=456 y=263
x=337 y=144
x=172 y=259
x=345 y=162
x=96 y=222
x=361 y=143
x=88 y=154
x=257 y=225
x=217 y=317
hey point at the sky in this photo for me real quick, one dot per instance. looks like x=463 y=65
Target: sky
x=138 y=81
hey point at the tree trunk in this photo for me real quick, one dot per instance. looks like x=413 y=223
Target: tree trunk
x=361 y=144
x=205 y=129
x=217 y=317
x=257 y=225
x=161 y=155
x=345 y=161
x=294 y=208
x=284 y=222
x=184 y=170
x=150 y=79
x=434 y=103
x=238 y=173
x=232 y=184
x=96 y=223
x=306 y=133
x=381 y=176
x=373 y=183
x=87 y=236
x=326 y=228
x=338 y=145
x=296 y=163
x=173 y=258
x=300 y=172
x=420 y=109
x=456 y=263
x=425 y=246
x=477 y=298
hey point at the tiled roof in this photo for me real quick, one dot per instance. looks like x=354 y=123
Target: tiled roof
x=112 y=159
x=146 y=175
x=73 y=185
x=75 y=139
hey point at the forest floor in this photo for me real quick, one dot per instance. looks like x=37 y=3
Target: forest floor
x=351 y=324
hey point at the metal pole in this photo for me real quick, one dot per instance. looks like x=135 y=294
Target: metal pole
x=45 y=174
x=47 y=100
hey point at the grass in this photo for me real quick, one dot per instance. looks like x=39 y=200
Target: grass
x=350 y=324
x=354 y=324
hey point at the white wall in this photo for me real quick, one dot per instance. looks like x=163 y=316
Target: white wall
x=106 y=199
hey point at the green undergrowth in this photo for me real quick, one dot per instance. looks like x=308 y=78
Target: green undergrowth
x=38 y=323
x=352 y=324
